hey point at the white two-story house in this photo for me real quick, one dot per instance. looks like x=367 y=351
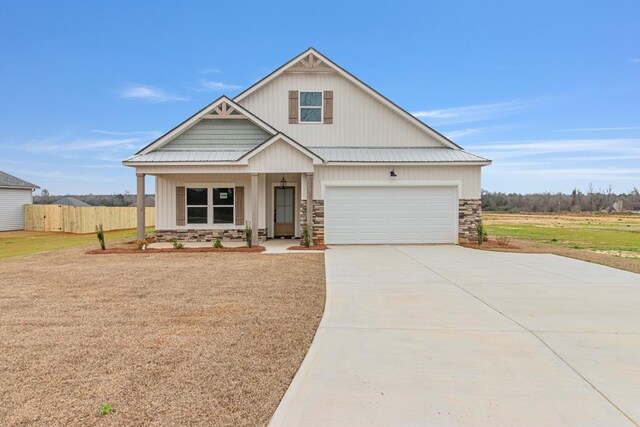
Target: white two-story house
x=310 y=144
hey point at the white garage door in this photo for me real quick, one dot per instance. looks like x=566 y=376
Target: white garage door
x=391 y=215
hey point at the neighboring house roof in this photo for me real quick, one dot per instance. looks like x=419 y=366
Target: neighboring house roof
x=149 y=201
x=359 y=83
x=71 y=201
x=396 y=154
x=7 y=180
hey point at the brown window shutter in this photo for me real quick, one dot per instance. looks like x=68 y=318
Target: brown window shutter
x=239 y=198
x=328 y=107
x=180 y=209
x=293 y=107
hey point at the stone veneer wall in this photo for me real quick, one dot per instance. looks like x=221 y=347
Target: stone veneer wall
x=469 y=213
x=318 y=220
x=205 y=235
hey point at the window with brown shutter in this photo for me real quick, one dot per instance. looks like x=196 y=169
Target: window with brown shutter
x=180 y=207
x=239 y=205
x=293 y=107
x=328 y=107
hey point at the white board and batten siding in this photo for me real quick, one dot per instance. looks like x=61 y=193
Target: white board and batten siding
x=391 y=214
x=358 y=118
x=12 y=201
x=467 y=176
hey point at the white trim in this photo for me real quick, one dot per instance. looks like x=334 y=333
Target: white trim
x=391 y=182
x=400 y=163
x=300 y=107
x=409 y=117
x=167 y=137
x=210 y=206
x=244 y=159
x=405 y=183
x=296 y=213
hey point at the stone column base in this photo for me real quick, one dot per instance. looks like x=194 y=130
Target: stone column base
x=318 y=220
x=469 y=213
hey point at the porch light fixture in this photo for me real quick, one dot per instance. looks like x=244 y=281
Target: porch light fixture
x=283 y=182
x=392 y=174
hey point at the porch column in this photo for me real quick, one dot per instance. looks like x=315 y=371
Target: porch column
x=254 y=208
x=310 y=204
x=140 y=205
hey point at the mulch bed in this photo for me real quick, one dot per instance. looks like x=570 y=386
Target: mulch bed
x=253 y=249
x=310 y=248
x=491 y=244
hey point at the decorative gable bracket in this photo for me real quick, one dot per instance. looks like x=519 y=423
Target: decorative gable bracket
x=311 y=63
x=224 y=111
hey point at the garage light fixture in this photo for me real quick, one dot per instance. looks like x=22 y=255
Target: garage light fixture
x=283 y=182
x=392 y=174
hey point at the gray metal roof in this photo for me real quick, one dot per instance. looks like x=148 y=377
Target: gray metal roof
x=395 y=154
x=187 y=156
x=7 y=180
x=329 y=154
x=71 y=201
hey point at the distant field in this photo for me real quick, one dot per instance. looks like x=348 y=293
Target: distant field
x=20 y=243
x=603 y=233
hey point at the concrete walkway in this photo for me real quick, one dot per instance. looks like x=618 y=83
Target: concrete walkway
x=445 y=336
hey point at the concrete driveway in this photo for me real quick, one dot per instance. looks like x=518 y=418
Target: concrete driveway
x=443 y=335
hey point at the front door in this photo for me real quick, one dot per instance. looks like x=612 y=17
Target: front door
x=284 y=218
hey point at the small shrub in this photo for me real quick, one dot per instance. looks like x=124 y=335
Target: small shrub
x=150 y=238
x=248 y=234
x=306 y=238
x=554 y=240
x=100 y=236
x=176 y=244
x=105 y=408
x=503 y=240
x=217 y=244
x=141 y=244
x=481 y=232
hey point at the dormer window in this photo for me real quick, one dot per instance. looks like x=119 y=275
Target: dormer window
x=310 y=107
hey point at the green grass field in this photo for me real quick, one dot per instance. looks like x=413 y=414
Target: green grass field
x=20 y=243
x=591 y=232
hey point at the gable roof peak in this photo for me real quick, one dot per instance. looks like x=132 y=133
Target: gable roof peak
x=322 y=63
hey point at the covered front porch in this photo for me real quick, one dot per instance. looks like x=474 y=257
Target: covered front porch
x=202 y=207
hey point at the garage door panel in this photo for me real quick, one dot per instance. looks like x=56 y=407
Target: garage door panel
x=392 y=214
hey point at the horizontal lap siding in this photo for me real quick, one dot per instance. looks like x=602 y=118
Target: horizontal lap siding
x=358 y=119
x=469 y=175
x=231 y=134
x=12 y=201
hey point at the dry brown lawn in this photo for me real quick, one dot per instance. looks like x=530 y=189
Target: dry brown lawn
x=529 y=246
x=166 y=339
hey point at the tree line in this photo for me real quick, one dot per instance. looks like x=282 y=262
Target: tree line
x=576 y=201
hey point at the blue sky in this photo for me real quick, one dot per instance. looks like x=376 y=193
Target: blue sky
x=550 y=90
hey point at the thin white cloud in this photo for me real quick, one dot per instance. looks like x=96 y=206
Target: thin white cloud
x=150 y=93
x=217 y=86
x=595 y=147
x=600 y=129
x=72 y=147
x=635 y=61
x=460 y=133
x=150 y=133
x=210 y=71
x=475 y=113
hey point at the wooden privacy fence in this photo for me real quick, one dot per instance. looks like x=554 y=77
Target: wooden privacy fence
x=73 y=219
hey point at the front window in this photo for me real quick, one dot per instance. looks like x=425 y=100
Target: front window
x=310 y=107
x=197 y=205
x=206 y=205
x=223 y=205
